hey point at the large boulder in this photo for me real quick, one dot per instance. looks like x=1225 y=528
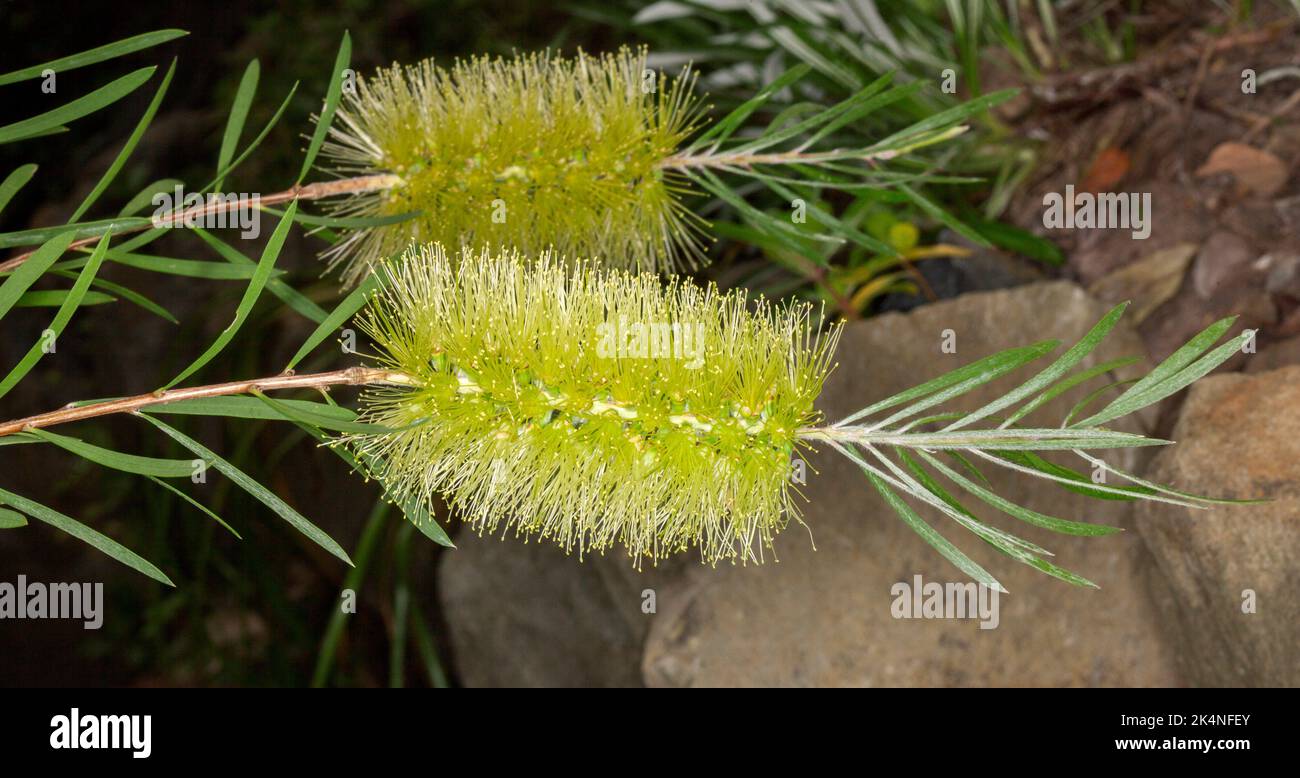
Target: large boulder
x=528 y=614
x=823 y=617
x=1233 y=571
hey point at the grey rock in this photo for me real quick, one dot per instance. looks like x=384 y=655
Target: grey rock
x=823 y=617
x=1283 y=269
x=1223 y=262
x=1283 y=353
x=1238 y=436
x=527 y=614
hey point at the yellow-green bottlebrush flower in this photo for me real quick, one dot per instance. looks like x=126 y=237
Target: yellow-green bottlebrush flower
x=588 y=406
x=537 y=152
x=597 y=407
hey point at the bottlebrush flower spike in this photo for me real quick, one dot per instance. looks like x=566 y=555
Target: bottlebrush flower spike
x=596 y=407
x=537 y=152
x=590 y=407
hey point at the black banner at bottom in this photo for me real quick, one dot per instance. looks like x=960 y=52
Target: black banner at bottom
x=950 y=726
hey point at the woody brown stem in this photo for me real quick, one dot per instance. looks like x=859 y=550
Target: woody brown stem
x=351 y=376
x=358 y=185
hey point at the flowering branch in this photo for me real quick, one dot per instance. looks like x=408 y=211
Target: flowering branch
x=351 y=376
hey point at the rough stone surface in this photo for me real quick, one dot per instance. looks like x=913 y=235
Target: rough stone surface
x=1223 y=261
x=1283 y=269
x=1238 y=436
x=1283 y=353
x=823 y=617
x=527 y=614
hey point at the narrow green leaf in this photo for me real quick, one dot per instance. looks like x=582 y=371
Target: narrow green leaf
x=83 y=533
x=347 y=222
x=127 y=463
x=1182 y=357
x=91 y=56
x=355 y=300
x=839 y=227
x=929 y=535
x=275 y=118
x=938 y=213
x=1132 y=401
x=1052 y=372
x=970 y=467
x=264 y=268
x=40 y=133
x=800 y=128
x=320 y=420
x=235 y=122
x=1001 y=458
x=428 y=649
x=104 y=96
x=728 y=124
x=411 y=507
x=980 y=371
x=1063 y=526
x=61 y=318
x=253 y=488
x=91 y=229
x=11 y=519
x=145 y=196
x=128 y=147
x=401 y=608
x=53 y=298
x=778 y=229
x=1146 y=488
x=805 y=49
x=920 y=480
x=1016 y=550
x=1092 y=397
x=277 y=286
x=26 y=274
x=944 y=119
x=1064 y=386
x=191 y=268
x=332 y=95
x=14 y=182
x=130 y=295
x=414 y=511
x=1045 y=439
x=1016 y=240
x=249 y=408
x=1081 y=483
x=1015 y=358
x=196 y=504
x=867 y=106
x=143 y=239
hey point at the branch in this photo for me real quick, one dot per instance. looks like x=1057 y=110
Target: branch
x=351 y=376
x=315 y=191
